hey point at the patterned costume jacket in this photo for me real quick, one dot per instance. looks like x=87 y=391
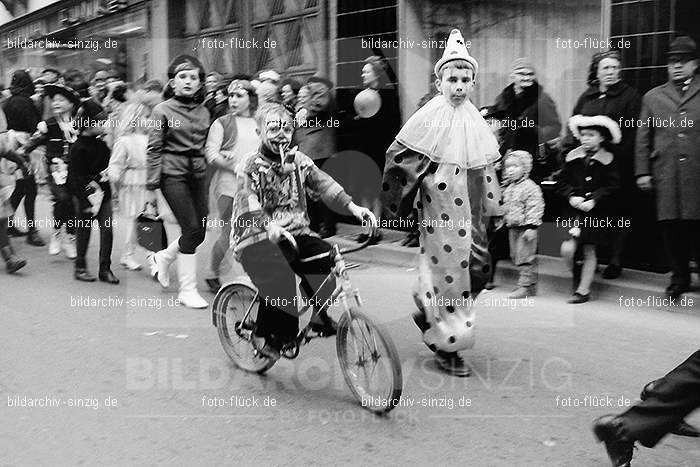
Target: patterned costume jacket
x=270 y=191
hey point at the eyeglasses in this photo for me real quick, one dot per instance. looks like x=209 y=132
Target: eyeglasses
x=273 y=127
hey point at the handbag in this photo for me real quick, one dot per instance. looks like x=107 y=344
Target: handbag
x=150 y=230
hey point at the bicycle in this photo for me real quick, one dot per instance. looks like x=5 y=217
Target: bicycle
x=358 y=340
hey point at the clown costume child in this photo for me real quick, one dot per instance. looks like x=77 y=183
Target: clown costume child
x=444 y=156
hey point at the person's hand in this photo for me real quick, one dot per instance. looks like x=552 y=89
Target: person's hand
x=274 y=232
x=645 y=183
x=587 y=205
x=575 y=201
x=363 y=214
x=529 y=235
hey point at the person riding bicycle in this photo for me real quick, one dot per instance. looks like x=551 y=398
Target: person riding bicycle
x=272 y=185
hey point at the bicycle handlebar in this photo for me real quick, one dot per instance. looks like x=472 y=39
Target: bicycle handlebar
x=370 y=234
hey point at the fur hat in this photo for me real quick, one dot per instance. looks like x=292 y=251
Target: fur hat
x=456 y=49
x=523 y=158
x=608 y=126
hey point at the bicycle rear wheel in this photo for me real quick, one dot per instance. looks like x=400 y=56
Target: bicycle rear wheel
x=230 y=306
x=369 y=361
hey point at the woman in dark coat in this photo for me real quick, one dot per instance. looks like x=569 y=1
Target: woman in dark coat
x=371 y=131
x=608 y=95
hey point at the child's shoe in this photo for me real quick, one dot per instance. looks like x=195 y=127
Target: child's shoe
x=129 y=262
x=523 y=292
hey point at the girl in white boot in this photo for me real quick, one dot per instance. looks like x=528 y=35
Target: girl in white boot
x=176 y=165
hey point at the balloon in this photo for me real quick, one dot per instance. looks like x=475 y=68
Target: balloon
x=367 y=103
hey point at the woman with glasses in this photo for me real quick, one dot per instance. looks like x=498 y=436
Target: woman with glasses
x=176 y=164
x=231 y=138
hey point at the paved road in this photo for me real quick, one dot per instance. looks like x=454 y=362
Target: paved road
x=136 y=382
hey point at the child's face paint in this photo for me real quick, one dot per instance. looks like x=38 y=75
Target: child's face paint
x=513 y=170
x=591 y=139
x=456 y=85
x=277 y=131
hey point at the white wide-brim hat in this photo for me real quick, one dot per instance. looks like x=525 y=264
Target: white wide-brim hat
x=581 y=121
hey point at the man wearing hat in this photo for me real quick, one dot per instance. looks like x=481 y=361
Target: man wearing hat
x=668 y=158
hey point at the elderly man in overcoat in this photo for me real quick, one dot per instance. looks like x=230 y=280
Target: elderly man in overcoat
x=668 y=158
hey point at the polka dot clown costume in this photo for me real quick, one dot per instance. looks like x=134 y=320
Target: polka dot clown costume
x=444 y=156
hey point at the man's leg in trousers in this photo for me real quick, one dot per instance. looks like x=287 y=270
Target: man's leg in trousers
x=669 y=402
x=677 y=246
x=315 y=272
x=104 y=218
x=268 y=268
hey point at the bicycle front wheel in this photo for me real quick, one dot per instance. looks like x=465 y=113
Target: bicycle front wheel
x=230 y=307
x=369 y=361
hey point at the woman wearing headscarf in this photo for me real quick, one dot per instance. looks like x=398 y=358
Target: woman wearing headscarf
x=608 y=95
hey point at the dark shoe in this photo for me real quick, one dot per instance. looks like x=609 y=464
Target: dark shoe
x=452 y=363
x=362 y=238
x=610 y=430
x=108 y=277
x=13 y=263
x=676 y=290
x=579 y=298
x=683 y=428
x=82 y=274
x=214 y=284
x=34 y=239
x=375 y=239
x=324 y=325
x=686 y=429
x=15 y=232
x=612 y=271
x=421 y=320
x=411 y=240
x=265 y=348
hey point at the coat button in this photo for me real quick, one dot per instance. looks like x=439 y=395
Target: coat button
x=683 y=112
x=682 y=158
x=681 y=135
x=588 y=179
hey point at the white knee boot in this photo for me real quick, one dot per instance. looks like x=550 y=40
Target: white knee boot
x=187 y=274
x=160 y=262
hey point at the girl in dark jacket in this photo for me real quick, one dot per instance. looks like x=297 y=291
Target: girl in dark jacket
x=610 y=96
x=587 y=181
x=176 y=165
x=58 y=134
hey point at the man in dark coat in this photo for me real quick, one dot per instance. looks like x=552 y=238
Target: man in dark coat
x=528 y=114
x=668 y=158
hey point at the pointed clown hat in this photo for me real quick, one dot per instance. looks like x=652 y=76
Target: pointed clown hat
x=456 y=49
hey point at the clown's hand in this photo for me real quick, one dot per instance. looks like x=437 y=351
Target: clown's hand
x=587 y=205
x=575 y=201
